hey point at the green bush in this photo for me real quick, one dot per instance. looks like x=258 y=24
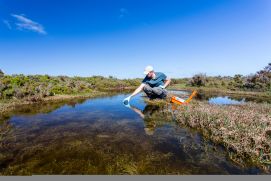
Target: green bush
x=260 y=81
x=59 y=90
x=7 y=94
x=20 y=86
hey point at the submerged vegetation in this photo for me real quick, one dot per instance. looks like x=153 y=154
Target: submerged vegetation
x=73 y=142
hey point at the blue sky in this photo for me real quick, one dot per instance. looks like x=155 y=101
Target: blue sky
x=120 y=37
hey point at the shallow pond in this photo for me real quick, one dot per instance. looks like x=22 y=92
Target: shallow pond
x=212 y=99
x=102 y=136
x=225 y=100
x=220 y=99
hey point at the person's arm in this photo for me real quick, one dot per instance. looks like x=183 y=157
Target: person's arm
x=167 y=82
x=138 y=90
x=138 y=111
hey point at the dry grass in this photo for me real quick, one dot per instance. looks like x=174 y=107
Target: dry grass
x=245 y=130
x=156 y=102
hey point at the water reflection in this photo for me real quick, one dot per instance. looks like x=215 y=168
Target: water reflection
x=224 y=99
x=153 y=116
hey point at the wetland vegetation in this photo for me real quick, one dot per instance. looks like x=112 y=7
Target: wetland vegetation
x=78 y=125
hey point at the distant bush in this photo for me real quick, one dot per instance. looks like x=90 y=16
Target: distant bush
x=179 y=81
x=38 y=86
x=260 y=81
x=198 y=80
x=237 y=82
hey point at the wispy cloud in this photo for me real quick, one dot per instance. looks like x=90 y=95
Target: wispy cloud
x=24 y=23
x=7 y=23
x=123 y=12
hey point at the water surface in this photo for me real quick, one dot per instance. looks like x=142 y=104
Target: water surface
x=212 y=98
x=225 y=100
x=102 y=136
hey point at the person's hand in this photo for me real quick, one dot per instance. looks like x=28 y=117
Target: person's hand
x=127 y=100
x=128 y=105
x=162 y=86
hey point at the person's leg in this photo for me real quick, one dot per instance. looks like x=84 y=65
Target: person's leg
x=164 y=94
x=159 y=92
x=148 y=90
x=155 y=92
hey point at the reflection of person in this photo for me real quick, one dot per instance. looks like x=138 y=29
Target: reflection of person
x=153 y=85
x=146 y=116
x=138 y=111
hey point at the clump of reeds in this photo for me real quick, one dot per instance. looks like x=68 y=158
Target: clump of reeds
x=156 y=102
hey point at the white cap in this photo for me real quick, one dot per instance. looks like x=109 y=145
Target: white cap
x=148 y=69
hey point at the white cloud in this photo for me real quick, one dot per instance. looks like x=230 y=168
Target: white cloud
x=23 y=23
x=123 y=12
x=7 y=23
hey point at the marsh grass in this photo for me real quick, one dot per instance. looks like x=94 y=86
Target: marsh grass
x=244 y=130
x=156 y=102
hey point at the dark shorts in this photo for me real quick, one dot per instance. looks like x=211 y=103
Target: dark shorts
x=155 y=92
